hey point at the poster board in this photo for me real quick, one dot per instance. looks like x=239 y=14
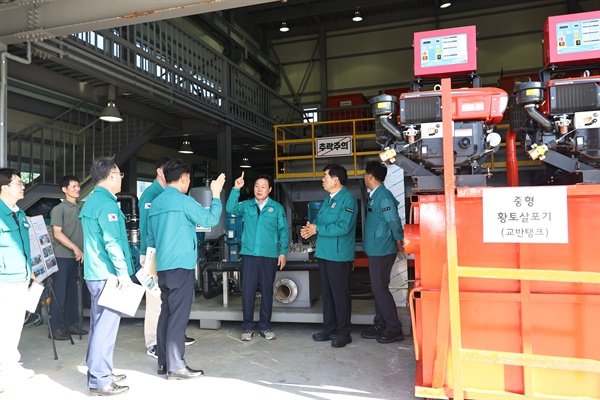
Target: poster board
x=43 y=260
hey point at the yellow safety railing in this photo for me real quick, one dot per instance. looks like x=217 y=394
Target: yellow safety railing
x=291 y=146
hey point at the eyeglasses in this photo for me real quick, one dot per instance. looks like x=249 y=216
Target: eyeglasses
x=122 y=174
x=18 y=183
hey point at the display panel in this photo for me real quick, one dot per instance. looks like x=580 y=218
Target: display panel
x=572 y=39
x=445 y=52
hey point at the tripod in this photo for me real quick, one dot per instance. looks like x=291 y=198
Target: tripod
x=79 y=297
x=49 y=292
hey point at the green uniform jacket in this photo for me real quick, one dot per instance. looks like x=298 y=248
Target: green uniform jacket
x=265 y=232
x=105 y=246
x=172 y=228
x=383 y=225
x=15 y=253
x=146 y=199
x=336 y=227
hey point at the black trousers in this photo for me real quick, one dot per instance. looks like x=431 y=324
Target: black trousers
x=380 y=269
x=255 y=271
x=64 y=282
x=337 y=303
x=176 y=293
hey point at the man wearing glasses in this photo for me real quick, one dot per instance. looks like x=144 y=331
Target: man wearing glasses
x=106 y=251
x=15 y=273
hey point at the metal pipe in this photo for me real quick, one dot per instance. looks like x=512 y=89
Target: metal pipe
x=512 y=164
x=4 y=99
x=390 y=127
x=209 y=290
x=538 y=117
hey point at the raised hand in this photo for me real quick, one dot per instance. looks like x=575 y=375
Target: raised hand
x=216 y=186
x=239 y=182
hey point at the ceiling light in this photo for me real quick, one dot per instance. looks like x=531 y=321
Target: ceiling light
x=245 y=163
x=445 y=4
x=357 y=17
x=186 y=148
x=284 y=27
x=110 y=113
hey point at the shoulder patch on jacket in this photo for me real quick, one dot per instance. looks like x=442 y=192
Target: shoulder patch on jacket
x=385 y=209
x=147 y=206
x=350 y=210
x=112 y=217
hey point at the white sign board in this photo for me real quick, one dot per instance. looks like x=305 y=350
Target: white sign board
x=525 y=215
x=43 y=261
x=334 y=146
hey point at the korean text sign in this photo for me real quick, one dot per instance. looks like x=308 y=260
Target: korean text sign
x=525 y=215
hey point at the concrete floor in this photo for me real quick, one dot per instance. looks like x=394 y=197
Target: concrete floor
x=291 y=367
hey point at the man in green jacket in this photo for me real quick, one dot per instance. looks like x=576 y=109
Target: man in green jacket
x=152 y=311
x=106 y=252
x=15 y=273
x=382 y=242
x=172 y=231
x=335 y=227
x=264 y=249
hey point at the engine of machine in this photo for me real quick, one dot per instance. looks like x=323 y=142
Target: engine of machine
x=418 y=131
x=561 y=115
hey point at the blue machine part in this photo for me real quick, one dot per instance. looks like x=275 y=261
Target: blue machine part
x=234 y=227
x=313 y=209
x=135 y=259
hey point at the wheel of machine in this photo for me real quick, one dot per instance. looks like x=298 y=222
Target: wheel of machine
x=285 y=291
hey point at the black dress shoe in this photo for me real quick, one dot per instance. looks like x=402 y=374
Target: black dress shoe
x=341 y=340
x=118 y=377
x=74 y=330
x=161 y=370
x=185 y=373
x=390 y=337
x=60 y=334
x=323 y=335
x=108 y=390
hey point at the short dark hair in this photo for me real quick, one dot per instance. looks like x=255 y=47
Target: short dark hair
x=161 y=162
x=101 y=168
x=378 y=171
x=175 y=168
x=66 y=180
x=6 y=175
x=338 y=171
x=268 y=177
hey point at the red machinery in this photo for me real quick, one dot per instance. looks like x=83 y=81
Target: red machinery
x=515 y=313
x=416 y=144
x=559 y=119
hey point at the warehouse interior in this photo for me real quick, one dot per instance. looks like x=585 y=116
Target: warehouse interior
x=247 y=85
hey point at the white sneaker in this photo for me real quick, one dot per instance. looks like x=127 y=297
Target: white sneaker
x=152 y=352
x=247 y=335
x=267 y=334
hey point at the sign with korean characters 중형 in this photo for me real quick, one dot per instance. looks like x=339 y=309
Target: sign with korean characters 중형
x=334 y=146
x=525 y=215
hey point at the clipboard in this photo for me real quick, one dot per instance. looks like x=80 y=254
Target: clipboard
x=126 y=300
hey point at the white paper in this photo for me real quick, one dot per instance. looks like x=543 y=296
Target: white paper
x=33 y=296
x=126 y=300
x=147 y=274
x=149 y=282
